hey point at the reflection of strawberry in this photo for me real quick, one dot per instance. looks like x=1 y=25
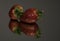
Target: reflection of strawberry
x=30 y=15
x=14 y=26
x=29 y=29
x=15 y=11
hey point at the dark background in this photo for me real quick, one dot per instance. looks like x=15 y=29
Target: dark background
x=49 y=24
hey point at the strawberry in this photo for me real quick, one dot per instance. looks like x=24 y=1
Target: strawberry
x=15 y=12
x=31 y=15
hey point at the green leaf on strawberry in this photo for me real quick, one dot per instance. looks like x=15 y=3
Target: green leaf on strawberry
x=38 y=34
x=40 y=13
x=17 y=31
x=18 y=12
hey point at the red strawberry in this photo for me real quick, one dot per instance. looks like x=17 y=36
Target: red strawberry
x=15 y=12
x=30 y=29
x=14 y=26
x=30 y=15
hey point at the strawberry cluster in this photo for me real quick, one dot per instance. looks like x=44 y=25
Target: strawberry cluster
x=24 y=21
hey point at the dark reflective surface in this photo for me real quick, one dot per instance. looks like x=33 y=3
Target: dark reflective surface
x=49 y=24
x=30 y=30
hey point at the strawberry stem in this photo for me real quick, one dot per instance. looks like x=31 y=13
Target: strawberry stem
x=40 y=13
x=18 y=12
